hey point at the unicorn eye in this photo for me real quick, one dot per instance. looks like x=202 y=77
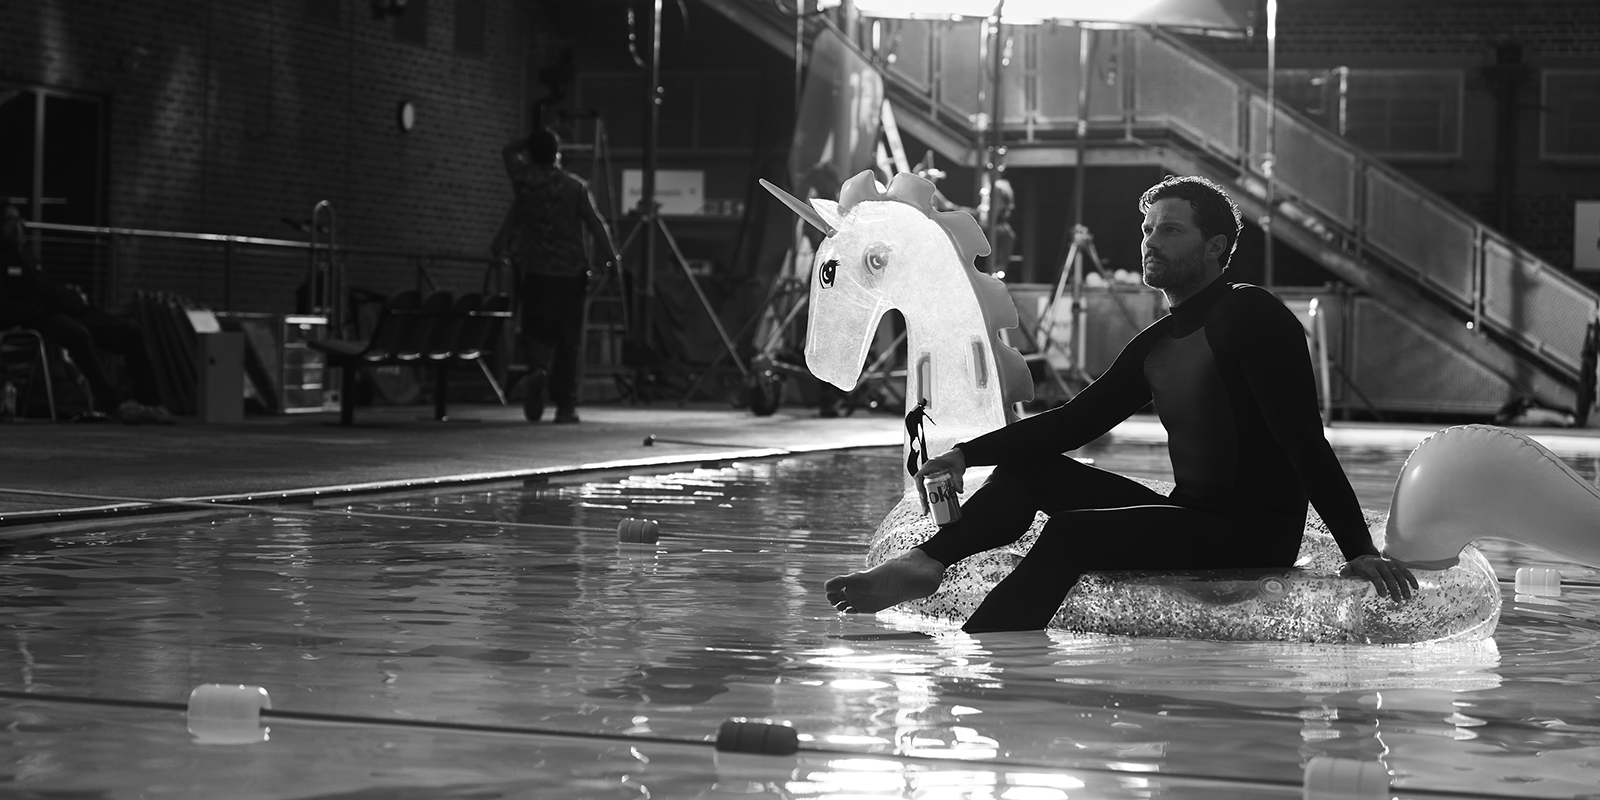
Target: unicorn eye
x=876 y=256
x=830 y=268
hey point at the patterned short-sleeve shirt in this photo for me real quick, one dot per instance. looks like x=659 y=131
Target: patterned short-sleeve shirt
x=546 y=228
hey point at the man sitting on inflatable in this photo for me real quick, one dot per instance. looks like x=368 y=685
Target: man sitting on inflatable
x=1230 y=376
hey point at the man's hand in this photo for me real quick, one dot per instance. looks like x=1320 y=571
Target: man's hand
x=1391 y=578
x=952 y=461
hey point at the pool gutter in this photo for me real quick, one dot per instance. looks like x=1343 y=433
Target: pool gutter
x=18 y=525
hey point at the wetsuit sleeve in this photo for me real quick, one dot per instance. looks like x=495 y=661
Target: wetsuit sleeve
x=1270 y=346
x=1110 y=399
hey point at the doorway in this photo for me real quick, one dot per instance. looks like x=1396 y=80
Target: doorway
x=52 y=169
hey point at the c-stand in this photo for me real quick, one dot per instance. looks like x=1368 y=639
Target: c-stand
x=1073 y=270
x=650 y=221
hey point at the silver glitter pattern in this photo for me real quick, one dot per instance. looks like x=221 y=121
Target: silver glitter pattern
x=1307 y=603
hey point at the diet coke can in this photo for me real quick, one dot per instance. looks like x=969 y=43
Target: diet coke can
x=943 y=500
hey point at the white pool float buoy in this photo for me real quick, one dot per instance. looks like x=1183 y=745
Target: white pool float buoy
x=224 y=713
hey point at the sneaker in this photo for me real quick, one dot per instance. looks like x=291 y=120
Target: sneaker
x=533 y=403
x=129 y=412
x=566 y=416
x=132 y=412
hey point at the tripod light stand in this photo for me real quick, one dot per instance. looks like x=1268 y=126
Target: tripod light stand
x=650 y=222
x=1076 y=347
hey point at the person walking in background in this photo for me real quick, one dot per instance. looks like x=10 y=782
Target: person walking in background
x=543 y=238
x=28 y=299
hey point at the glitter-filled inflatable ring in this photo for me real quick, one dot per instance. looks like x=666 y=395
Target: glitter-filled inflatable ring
x=1458 y=485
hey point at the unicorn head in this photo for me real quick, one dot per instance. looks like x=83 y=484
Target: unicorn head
x=888 y=248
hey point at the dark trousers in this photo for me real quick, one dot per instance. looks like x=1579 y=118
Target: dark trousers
x=86 y=332
x=1099 y=521
x=552 y=331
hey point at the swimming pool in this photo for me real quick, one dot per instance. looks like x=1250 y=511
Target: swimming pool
x=615 y=664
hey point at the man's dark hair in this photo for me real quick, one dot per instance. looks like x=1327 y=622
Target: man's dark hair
x=1214 y=211
x=543 y=145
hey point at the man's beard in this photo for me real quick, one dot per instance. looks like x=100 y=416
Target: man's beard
x=1173 y=273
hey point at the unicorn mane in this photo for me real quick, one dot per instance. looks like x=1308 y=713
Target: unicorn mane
x=999 y=311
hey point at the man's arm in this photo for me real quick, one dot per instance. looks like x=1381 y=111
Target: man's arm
x=1277 y=366
x=1269 y=343
x=1110 y=399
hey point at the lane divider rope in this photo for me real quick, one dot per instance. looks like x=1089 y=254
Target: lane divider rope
x=266 y=712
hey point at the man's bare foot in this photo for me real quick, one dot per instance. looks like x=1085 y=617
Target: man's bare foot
x=909 y=576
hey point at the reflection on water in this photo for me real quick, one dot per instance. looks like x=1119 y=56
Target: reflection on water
x=571 y=632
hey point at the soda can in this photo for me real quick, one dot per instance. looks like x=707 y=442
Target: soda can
x=943 y=500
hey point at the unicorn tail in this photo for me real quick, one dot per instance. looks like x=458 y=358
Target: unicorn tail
x=1471 y=481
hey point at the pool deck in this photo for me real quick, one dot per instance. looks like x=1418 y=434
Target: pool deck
x=54 y=473
x=75 y=474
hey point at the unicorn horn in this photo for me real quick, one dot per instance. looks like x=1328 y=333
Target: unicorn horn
x=799 y=206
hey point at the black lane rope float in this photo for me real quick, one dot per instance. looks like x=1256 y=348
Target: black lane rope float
x=347 y=513
x=734 y=736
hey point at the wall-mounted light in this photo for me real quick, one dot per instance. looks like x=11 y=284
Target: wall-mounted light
x=406 y=116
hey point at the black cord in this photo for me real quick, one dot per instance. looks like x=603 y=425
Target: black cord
x=633 y=40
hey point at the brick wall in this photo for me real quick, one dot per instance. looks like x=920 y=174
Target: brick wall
x=1459 y=35
x=227 y=116
x=1355 y=28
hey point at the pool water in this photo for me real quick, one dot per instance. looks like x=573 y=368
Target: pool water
x=619 y=662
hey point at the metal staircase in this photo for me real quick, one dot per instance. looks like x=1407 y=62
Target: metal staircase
x=1455 y=282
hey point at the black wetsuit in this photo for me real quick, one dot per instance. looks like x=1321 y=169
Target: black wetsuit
x=1230 y=376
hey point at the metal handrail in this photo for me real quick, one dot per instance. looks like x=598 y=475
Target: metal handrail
x=1365 y=171
x=1341 y=211
x=256 y=240
x=328 y=295
x=492 y=279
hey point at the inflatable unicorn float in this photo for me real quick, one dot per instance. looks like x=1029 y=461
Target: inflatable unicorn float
x=888 y=248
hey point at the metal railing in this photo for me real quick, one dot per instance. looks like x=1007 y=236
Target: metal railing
x=1371 y=209
x=246 y=273
x=1353 y=201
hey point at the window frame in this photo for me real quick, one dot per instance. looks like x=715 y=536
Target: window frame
x=1545 y=114
x=1455 y=153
